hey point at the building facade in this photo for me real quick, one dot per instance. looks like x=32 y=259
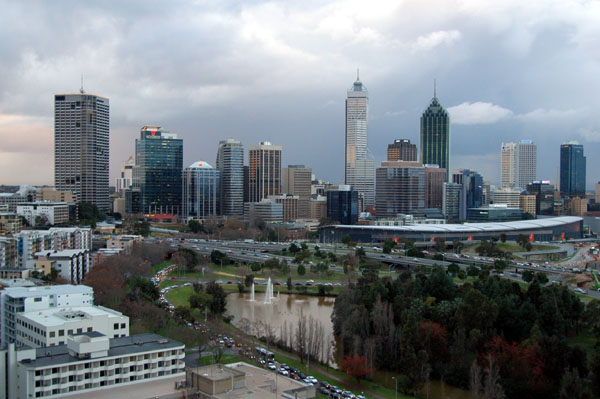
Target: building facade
x=518 y=163
x=544 y=196
x=230 y=163
x=125 y=179
x=435 y=177
x=290 y=206
x=527 y=204
x=264 y=173
x=297 y=180
x=453 y=202
x=157 y=171
x=342 y=205
x=435 y=136
x=81 y=147
x=266 y=210
x=71 y=264
x=53 y=195
x=472 y=187
x=507 y=196
x=44 y=213
x=400 y=188
x=201 y=191
x=360 y=165
x=402 y=150
x=572 y=169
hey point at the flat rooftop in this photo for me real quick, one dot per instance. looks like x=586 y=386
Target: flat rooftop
x=58 y=316
x=27 y=292
x=143 y=390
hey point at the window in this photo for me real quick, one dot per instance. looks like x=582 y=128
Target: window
x=89 y=329
x=52 y=334
x=79 y=331
x=122 y=325
x=38 y=299
x=116 y=326
x=61 y=333
x=70 y=332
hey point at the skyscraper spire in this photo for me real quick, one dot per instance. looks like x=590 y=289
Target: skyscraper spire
x=81 y=89
x=434 y=88
x=357 y=74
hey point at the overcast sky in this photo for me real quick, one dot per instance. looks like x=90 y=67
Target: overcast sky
x=208 y=70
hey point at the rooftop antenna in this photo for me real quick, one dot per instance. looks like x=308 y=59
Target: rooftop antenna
x=81 y=89
x=434 y=88
x=357 y=74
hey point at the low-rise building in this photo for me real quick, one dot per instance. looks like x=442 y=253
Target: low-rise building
x=44 y=213
x=290 y=205
x=51 y=327
x=10 y=223
x=8 y=252
x=528 y=204
x=124 y=242
x=494 y=213
x=71 y=264
x=53 y=195
x=318 y=207
x=267 y=210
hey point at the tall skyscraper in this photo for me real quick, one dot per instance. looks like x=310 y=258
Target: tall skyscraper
x=264 y=172
x=454 y=206
x=402 y=150
x=572 y=169
x=434 y=186
x=297 y=180
x=400 y=188
x=81 y=147
x=519 y=163
x=472 y=187
x=435 y=135
x=230 y=163
x=157 y=171
x=360 y=165
x=201 y=191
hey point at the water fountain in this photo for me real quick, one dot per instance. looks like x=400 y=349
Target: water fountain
x=269 y=293
x=252 y=293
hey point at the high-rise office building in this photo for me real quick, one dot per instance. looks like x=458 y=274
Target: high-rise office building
x=402 y=150
x=201 y=191
x=435 y=136
x=400 y=188
x=157 y=171
x=297 y=180
x=434 y=186
x=81 y=147
x=597 y=193
x=453 y=206
x=342 y=205
x=518 y=163
x=230 y=163
x=472 y=187
x=125 y=179
x=264 y=172
x=544 y=193
x=360 y=165
x=572 y=169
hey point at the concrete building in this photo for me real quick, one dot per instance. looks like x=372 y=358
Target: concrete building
x=435 y=177
x=201 y=191
x=576 y=206
x=402 y=150
x=16 y=300
x=342 y=205
x=230 y=163
x=124 y=242
x=52 y=195
x=50 y=212
x=90 y=362
x=435 y=136
x=81 y=147
x=52 y=327
x=494 y=213
x=597 y=193
x=71 y=264
x=25 y=193
x=518 y=164
x=264 y=172
x=453 y=202
x=290 y=206
x=544 y=196
x=507 y=196
x=10 y=223
x=9 y=252
x=125 y=179
x=400 y=188
x=267 y=210
x=318 y=207
x=157 y=171
x=527 y=203
x=297 y=180
x=359 y=163
x=572 y=169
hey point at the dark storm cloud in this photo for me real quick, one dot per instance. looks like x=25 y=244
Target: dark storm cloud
x=278 y=71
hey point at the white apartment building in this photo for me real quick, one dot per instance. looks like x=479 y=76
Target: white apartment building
x=51 y=327
x=53 y=212
x=57 y=238
x=14 y=300
x=72 y=264
x=88 y=362
x=72 y=237
x=507 y=196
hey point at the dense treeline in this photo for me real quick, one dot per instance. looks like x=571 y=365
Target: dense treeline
x=488 y=331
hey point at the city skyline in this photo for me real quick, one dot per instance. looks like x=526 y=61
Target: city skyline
x=487 y=64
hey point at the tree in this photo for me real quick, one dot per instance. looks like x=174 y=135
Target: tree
x=195 y=226
x=453 y=268
x=217 y=257
x=503 y=237
x=346 y=239
x=473 y=270
x=528 y=246
x=41 y=220
x=301 y=270
x=289 y=283
x=388 y=245
x=461 y=274
x=89 y=213
x=249 y=280
x=200 y=300
x=522 y=240
x=219 y=302
x=500 y=265
x=356 y=366
x=458 y=246
x=440 y=244
x=492 y=388
x=541 y=278
x=571 y=385
x=141 y=228
x=527 y=276
x=360 y=252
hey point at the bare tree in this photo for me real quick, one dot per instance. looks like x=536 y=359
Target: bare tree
x=300 y=336
x=492 y=388
x=475 y=380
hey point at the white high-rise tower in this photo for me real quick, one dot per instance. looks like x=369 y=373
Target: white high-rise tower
x=360 y=165
x=519 y=163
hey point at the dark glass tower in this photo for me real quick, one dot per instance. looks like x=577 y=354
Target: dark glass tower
x=572 y=169
x=157 y=171
x=230 y=163
x=472 y=186
x=342 y=205
x=435 y=136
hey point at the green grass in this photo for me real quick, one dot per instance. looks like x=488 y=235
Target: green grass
x=180 y=296
x=156 y=268
x=585 y=340
x=510 y=247
x=225 y=359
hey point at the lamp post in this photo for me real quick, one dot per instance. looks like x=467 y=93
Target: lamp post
x=394 y=378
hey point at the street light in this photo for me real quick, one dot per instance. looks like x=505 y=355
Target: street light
x=394 y=378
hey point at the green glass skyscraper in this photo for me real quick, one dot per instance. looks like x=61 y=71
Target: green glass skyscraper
x=435 y=136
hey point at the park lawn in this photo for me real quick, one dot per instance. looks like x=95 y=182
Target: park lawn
x=585 y=340
x=225 y=359
x=180 y=296
x=168 y=283
x=156 y=268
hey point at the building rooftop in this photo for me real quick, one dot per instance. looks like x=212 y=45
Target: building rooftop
x=122 y=346
x=161 y=388
x=65 y=253
x=58 y=316
x=27 y=292
x=200 y=165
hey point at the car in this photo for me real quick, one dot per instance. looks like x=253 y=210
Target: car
x=312 y=379
x=307 y=381
x=361 y=397
x=580 y=290
x=324 y=391
x=284 y=372
x=271 y=366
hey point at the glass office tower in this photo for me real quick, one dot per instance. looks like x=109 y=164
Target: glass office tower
x=157 y=173
x=572 y=169
x=342 y=205
x=230 y=163
x=435 y=136
x=201 y=191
